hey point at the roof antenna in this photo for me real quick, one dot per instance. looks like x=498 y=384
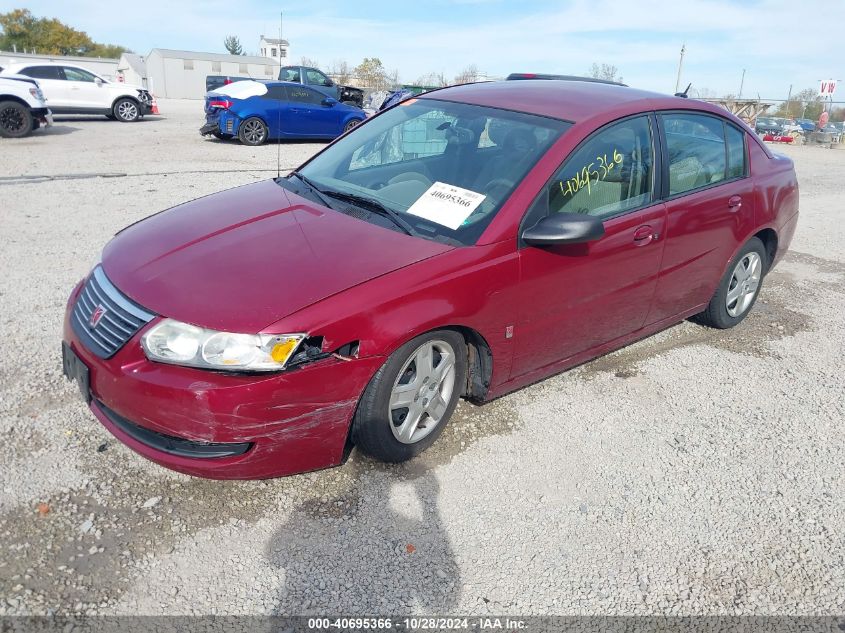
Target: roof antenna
x=279 y=112
x=685 y=93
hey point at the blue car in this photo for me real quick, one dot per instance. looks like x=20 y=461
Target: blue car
x=255 y=111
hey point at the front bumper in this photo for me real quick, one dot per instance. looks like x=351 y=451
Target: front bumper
x=224 y=426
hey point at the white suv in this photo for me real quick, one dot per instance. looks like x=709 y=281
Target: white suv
x=75 y=90
x=22 y=106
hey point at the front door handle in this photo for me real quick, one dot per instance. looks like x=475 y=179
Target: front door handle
x=644 y=235
x=734 y=203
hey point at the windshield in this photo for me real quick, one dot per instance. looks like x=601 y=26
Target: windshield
x=435 y=169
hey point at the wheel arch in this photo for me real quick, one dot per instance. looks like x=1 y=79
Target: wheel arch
x=769 y=237
x=15 y=99
x=479 y=357
x=130 y=97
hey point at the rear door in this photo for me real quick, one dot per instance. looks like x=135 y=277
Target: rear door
x=709 y=203
x=576 y=297
x=277 y=110
x=53 y=84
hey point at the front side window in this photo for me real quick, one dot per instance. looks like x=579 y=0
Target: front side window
x=43 y=72
x=610 y=174
x=695 y=147
x=77 y=74
x=305 y=95
x=317 y=78
x=445 y=168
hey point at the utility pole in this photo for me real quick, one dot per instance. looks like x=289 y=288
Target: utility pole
x=680 y=65
x=741 y=84
x=788 y=100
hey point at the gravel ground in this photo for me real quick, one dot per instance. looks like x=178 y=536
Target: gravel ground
x=695 y=472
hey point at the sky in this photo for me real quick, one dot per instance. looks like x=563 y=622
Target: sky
x=777 y=42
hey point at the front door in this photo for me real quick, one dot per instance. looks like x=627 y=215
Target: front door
x=309 y=117
x=573 y=298
x=84 y=89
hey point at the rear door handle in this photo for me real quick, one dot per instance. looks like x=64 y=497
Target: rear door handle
x=644 y=235
x=734 y=203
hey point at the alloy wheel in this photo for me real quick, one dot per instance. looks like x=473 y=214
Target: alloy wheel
x=11 y=119
x=745 y=280
x=422 y=391
x=127 y=111
x=254 y=131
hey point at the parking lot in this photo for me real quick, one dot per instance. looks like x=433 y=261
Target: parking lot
x=695 y=472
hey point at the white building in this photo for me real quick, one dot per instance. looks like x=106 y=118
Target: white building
x=103 y=66
x=132 y=69
x=275 y=48
x=176 y=74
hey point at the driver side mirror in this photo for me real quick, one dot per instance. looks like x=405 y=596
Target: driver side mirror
x=329 y=102
x=564 y=228
x=99 y=81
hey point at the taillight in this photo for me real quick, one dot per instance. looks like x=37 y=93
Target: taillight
x=225 y=104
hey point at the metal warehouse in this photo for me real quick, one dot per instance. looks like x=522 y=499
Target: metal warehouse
x=181 y=74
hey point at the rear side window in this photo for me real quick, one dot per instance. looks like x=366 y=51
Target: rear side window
x=736 y=151
x=43 y=72
x=695 y=145
x=610 y=174
x=275 y=93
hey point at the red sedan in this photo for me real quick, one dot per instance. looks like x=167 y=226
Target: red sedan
x=462 y=244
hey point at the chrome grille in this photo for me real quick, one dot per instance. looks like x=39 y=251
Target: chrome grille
x=104 y=318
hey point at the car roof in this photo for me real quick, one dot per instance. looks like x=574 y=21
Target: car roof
x=569 y=100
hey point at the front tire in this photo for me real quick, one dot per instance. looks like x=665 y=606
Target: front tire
x=253 y=131
x=126 y=110
x=15 y=119
x=739 y=288
x=350 y=125
x=411 y=398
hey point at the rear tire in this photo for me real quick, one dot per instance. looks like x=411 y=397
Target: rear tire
x=252 y=132
x=126 y=110
x=15 y=119
x=410 y=399
x=739 y=288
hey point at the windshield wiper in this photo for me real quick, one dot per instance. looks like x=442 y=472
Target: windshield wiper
x=376 y=207
x=319 y=193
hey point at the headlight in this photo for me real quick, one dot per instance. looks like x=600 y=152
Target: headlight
x=183 y=344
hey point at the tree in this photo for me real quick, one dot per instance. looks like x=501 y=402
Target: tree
x=605 y=71
x=340 y=72
x=437 y=80
x=307 y=61
x=805 y=104
x=233 y=45
x=371 y=73
x=20 y=30
x=468 y=75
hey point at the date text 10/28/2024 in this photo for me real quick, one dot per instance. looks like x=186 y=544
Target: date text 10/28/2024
x=416 y=624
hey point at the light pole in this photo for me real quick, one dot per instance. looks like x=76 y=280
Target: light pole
x=680 y=65
x=741 y=84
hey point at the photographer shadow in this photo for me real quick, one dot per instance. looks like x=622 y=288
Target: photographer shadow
x=377 y=548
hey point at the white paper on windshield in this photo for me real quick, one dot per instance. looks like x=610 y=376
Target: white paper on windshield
x=446 y=204
x=242 y=89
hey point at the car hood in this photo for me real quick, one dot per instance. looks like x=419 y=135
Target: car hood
x=242 y=259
